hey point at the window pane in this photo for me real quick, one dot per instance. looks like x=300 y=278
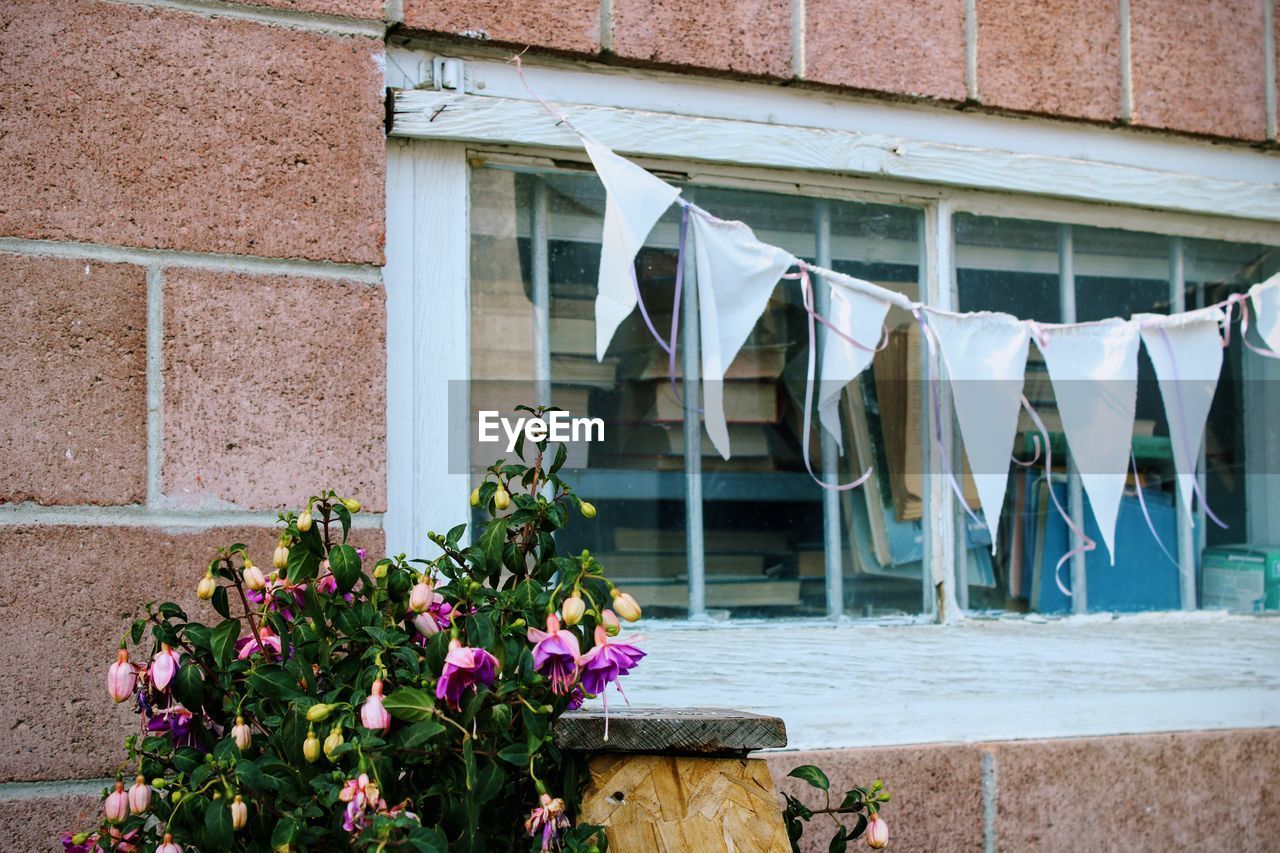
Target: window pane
x=763 y=515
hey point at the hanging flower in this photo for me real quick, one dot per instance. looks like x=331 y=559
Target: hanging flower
x=372 y=713
x=556 y=654
x=164 y=666
x=877 y=832
x=606 y=662
x=242 y=734
x=625 y=606
x=248 y=646
x=361 y=796
x=547 y=820
x=168 y=846
x=81 y=842
x=121 y=677
x=421 y=596
x=175 y=721
x=464 y=667
x=573 y=609
x=116 y=806
x=239 y=813
x=139 y=796
x=612 y=626
x=432 y=613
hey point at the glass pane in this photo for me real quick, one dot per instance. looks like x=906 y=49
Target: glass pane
x=1239 y=460
x=763 y=516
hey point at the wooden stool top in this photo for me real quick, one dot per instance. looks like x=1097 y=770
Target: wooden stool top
x=677 y=731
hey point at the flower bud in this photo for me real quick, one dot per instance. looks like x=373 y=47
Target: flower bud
x=333 y=741
x=426 y=624
x=280 y=559
x=612 y=626
x=380 y=570
x=207 y=586
x=625 y=606
x=351 y=504
x=116 y=806
x=239 y=813
x=241 y=734
x=421 y=596
x=139 y=796
x=475 y=497
x=254 y=579
x=176 y=797
x=317 y=713
x=877 y=832
x=311 y=746
x=304 y=521
x=501 y=499
x=121 y=677
x=588 y=510
x=572 y=609
x=372 y=713
x=168 y=846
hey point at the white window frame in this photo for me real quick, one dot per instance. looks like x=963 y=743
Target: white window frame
x=767 y=138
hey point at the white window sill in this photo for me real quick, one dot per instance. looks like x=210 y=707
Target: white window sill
x=860 y=684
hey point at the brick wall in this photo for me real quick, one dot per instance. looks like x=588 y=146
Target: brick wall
x=191 y=234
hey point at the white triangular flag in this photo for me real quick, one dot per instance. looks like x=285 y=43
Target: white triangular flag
x=1266 y=311
x=736 y=275
x=1186 y=352
x=1094 y=371
x=986 y=359
x=860 y=316
x=635 y=202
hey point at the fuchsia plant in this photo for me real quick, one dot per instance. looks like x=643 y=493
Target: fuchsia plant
x=432 y=683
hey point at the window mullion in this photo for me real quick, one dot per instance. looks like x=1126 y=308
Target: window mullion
x=833 y=556
x=1186 y=543
x=1075 y=490
x=539 y=256
x=690 y=355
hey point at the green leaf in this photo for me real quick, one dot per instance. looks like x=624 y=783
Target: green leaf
x=135 y=631
x=344 y=562
x=562 y=454
x=344 y=516
x=515 y=754
x=428 y=840
x=273 y=681
x=411 y=704
x=250 y=776
x=169 y=610
x=303 y=564
x=217 y=826
x=188 y=687
x=455 y=535
x=412 y=737
x=285 y=833
x=491 y=542
x=839 y=842
x=220 y=603
x=812 y=775
x=223 y=641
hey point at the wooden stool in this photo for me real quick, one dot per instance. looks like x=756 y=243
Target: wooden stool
x=679 y=780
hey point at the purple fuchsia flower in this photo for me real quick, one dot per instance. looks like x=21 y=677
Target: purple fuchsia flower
x=606 y=662
x=81 y=842
x=164 y=666
x=547 y=820
x=464 y=667
x=276 y=584
x=361 y=796
x=556 y=655
x=175 y=721
x=248 y=646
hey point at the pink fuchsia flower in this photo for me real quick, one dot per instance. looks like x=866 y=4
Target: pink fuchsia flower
x=139 y=796
x=164 y=666
x=464 y=667
x=248 y=646
x=625 y=606
x=877 y=832
x=168 y=846
x=547 y=820
x=612 y=626
x=254 y=579
x=373 y=715
x=573 y=609
x=116 y=806
x=556 y=654
x=361 y=797
x=437 y=616
x=239 y=813
x=242 y=734
x=606 y=662
x=122 y=843
x=422 y=596
x=121 y=677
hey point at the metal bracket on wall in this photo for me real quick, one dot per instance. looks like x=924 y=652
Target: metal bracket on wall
x=447 y=74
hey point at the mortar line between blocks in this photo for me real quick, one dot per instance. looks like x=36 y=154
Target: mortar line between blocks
x=990 y=789
x=155 y=384
x=310 y=21
x=17 y=791
x=248 y=264
x=798 y=46
x=1126 y=64
x=971 y=49
x=16 y=515
x=606 y=26
x=1269 y=47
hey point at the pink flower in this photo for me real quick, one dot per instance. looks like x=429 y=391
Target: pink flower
x=373 y=715
x=547 y=820
x=139 y=796
x=606 y=662
x=421 y=596
x=164 y=666
x=464 y=667
x=436 y=615
x=248 y=646
x=612 y=626
x=116 y=806
x=361 y=796
x=556 y=654
x=877 y=832
x=121 y=677
x=168 y=846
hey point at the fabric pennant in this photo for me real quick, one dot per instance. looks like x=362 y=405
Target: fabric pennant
x=1186 y=352
x=1094 y=371
x=986 y=359
x=736 y=276
x=1265 y=297
x=634 y=203
x=860 y=316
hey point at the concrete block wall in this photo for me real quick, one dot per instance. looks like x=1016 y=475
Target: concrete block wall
x=191 y=235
